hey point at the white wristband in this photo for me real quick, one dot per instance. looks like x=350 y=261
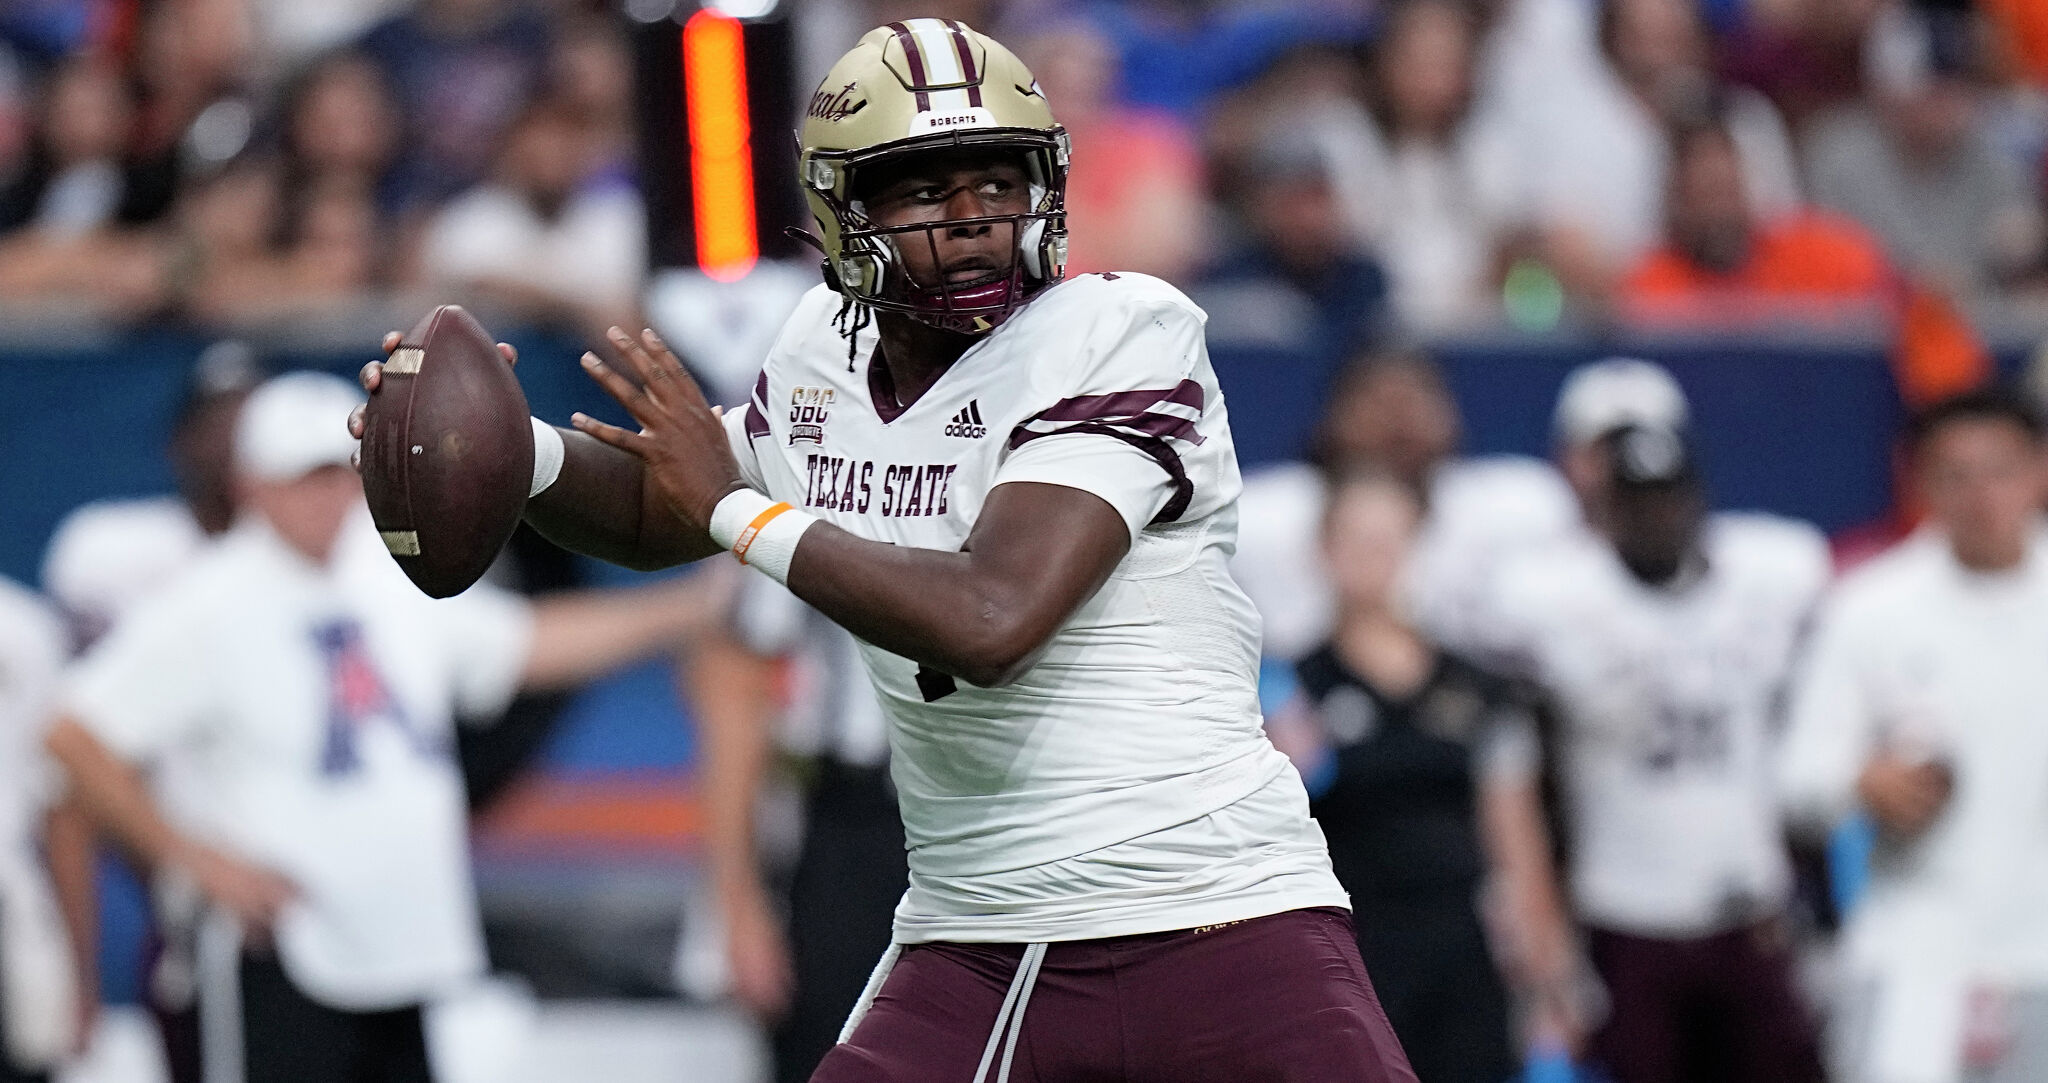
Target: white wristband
x=547 y=456
x=761 y=532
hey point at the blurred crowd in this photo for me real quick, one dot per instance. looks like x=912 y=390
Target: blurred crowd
x=1323 y=172
x=239 y=163
x=1584 y=749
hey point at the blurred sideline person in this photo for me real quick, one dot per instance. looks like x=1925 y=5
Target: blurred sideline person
x=300 y=677
x=801 y=937
x=104 y=559
x=1922 y=705
x=42 y=1019
x=108 y=556
x=1422 y=769
x=1664 y=637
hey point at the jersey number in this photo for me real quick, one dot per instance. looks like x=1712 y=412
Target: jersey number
x=1687 y=736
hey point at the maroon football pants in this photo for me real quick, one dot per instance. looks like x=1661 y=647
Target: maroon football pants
x=1716 y=1009
x=1279 y=999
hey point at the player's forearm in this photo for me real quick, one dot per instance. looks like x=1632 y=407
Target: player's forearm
x=604 y=505
x=958 y=613
x=68 y=843
x=581 y=635
x=113 y=794
x=1517 y=845
x=731 y=694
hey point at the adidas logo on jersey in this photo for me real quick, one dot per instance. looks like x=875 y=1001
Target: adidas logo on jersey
x=967 y=423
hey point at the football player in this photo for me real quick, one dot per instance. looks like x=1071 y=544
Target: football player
x=1019 y=492
x=1665 y=637
x=1921 y=707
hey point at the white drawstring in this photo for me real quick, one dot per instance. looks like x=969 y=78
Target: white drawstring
x=1011 y=1015
x=870 y=991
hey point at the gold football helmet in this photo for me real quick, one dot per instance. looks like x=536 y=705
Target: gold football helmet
x=916 y=86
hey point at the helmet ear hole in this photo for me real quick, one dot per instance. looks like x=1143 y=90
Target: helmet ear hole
x=1030 y=248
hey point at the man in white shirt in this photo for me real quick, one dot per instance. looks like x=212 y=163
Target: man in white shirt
x=1922 y=705
x=103 y=559
x=295 y=671
x=1664 y=637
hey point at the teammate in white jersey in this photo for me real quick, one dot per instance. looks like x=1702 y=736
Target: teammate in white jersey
x=1665 y=639
x=1921 y=705
x=1019 y=493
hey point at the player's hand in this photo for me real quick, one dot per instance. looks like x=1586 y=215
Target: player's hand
x=1561 y=1011
x=372 y=377
x=757 y=956
x=681 y=438
x=253 y=894
x=1905 y=795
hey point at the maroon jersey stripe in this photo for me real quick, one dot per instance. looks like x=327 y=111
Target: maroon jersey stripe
x=1121 y=403
x=1155 y=447
x=1148 y=424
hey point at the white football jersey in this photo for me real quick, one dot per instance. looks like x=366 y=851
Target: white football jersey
x=1670 y=700
x=1021 y=804
x=1918 y=655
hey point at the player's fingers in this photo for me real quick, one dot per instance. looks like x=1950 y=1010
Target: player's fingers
x=636 y=358
x=372 y=375
x=391 y=340
x=355 y=421
x=630 y=442
x=509 y=352
x=662 y=359
x=630 y=395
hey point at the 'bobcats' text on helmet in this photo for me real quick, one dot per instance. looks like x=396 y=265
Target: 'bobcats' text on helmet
x=922 y=85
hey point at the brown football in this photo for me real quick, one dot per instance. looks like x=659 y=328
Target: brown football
x=447 y=452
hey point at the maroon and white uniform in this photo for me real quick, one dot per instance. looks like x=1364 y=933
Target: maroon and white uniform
x=1121 y=785
x=1112 y=830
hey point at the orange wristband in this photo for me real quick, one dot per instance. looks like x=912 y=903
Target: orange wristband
x=746 y=539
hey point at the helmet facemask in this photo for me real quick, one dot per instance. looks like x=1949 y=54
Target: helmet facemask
x=870 y=269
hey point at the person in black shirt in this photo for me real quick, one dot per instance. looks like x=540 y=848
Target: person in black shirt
x=1422 y=771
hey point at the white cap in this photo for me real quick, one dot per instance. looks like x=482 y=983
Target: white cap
x=1620 y=391
x=295 y=424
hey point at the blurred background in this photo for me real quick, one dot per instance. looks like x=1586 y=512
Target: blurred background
x=1818 y=215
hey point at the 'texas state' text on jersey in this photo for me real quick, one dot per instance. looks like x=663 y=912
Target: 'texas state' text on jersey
x=1141 y=712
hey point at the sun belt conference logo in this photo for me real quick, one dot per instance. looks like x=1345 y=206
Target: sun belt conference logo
x=808 y=409
x=967 y=423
